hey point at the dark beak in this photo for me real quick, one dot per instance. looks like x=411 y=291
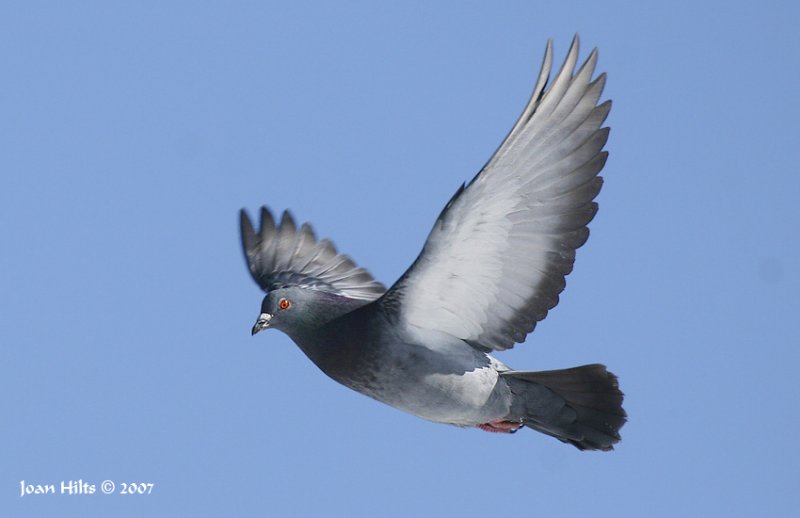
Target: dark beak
x=261 y=323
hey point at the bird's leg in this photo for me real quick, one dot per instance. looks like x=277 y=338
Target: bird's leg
x=500 y=426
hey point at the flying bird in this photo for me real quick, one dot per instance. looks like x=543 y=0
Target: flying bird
x=492 y=267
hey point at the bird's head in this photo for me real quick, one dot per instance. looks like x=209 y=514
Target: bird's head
x=296 y=309
x=282 y=309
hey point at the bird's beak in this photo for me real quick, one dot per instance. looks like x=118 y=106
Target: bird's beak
x=261 y=323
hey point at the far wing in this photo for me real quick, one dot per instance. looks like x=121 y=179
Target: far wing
x=281 y=255
x=495 y=261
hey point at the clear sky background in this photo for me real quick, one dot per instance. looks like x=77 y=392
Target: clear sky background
x=133 y=132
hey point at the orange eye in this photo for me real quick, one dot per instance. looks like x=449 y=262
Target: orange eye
x=284 y=304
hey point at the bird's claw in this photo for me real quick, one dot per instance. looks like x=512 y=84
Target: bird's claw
x=500 y=426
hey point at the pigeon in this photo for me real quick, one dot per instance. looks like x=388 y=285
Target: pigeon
x=491 y=268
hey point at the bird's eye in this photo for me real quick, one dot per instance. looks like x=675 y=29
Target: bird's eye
x=284 y=304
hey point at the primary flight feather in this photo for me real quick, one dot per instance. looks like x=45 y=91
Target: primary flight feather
x=493 y=265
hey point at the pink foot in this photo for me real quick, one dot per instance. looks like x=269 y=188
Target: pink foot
x=500 y=426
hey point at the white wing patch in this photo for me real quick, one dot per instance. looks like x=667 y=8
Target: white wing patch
x=477 y=245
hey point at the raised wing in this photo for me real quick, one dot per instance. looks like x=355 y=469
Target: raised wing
x=496 y=259
x=282 y=255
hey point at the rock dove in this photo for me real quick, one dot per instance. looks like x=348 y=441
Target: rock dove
x=492 y=267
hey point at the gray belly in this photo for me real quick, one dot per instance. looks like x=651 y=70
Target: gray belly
x=430 y=374
x=455 y=385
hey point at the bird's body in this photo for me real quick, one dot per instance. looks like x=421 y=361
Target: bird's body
x=492 y=267
x=426 y=373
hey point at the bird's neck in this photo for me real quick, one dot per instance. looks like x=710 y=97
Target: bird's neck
x=331 y=330
x=319 y=313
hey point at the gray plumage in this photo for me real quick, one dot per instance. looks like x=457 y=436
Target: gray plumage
x=493 y=266
x=283 y=255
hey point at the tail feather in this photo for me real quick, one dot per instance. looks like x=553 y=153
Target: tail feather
x=581 y=406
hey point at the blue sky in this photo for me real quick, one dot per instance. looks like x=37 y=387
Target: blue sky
x=132 y=133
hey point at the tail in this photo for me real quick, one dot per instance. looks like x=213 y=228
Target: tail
x=581 y=406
